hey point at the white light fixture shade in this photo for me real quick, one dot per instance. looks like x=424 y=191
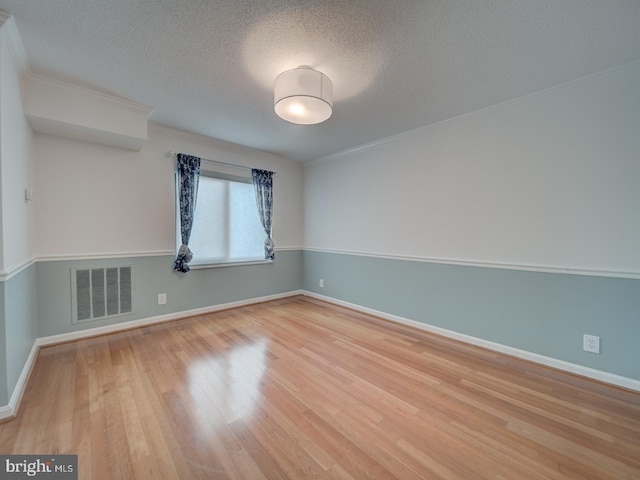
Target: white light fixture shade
x=303 y=96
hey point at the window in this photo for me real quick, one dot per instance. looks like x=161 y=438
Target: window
x=226 y=227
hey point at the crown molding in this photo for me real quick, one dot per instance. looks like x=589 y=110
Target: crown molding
x=9 y=30
x=118 y=102
x=209 y=141
x=10 y=33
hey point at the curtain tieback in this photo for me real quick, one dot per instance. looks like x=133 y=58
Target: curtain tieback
x=182 y=260
x=185 y=253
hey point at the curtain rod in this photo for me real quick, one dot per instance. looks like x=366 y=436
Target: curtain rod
x=171 y=153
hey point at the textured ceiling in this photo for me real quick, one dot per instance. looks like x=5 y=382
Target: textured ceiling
x=208 y=66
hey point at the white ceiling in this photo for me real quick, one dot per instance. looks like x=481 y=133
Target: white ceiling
x=208 y=66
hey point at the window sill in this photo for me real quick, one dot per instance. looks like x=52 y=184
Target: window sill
x=230 y=264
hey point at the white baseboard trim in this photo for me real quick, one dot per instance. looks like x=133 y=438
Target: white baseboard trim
x=569 y=367
x=6 y=412
x=10 y=411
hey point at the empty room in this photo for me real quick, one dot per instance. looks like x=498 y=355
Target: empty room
x=285 y=240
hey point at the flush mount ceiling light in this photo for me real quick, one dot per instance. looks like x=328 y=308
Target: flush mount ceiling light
x=303 y=95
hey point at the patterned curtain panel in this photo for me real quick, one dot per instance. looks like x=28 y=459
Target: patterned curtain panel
x=188 y=168
x=263 y=184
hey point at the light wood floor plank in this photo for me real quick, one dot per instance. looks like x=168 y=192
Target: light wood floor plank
x=298 y=388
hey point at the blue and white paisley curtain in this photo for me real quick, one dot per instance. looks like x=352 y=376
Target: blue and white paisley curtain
x=188 y=170
x=263 y=184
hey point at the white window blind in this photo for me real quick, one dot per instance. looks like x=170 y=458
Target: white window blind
x=226 y=227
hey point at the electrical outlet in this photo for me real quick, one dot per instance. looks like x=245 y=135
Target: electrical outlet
x=162 y=299
x=321 y=283
x=591 y=343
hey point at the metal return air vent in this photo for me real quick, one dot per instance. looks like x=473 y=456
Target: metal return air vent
x=101 y=292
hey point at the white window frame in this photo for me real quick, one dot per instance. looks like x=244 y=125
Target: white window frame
x=221 y=176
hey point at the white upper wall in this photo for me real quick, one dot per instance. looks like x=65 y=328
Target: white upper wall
x=18 y=216
x=550 y=180
x=95 y=200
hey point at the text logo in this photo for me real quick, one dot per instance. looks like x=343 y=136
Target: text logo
x=44 y=467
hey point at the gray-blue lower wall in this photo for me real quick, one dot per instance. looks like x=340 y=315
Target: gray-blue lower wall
x=18 y=299
x=152 y=275
x=543 y=313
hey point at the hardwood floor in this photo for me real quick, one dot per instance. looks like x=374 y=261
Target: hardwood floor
x=298 y=389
